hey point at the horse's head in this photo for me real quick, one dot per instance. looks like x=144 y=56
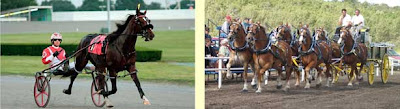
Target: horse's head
x=236 y=31
x=139 y=24
x=255 y=32
x=304 y=34
x=283 y=32
x=345 y=35
x=320 y=34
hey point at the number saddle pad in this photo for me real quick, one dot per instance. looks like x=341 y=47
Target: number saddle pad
x=100 y=45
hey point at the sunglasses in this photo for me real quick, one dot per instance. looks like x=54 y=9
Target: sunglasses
x=57 y=40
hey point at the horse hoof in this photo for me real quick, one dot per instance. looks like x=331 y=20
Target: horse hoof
x=146 y=101
x=258 y=92
x=349 y=86
x=307 y=87
x=68 y=92
x=244 y=91
x=254 y=86
x=318 y=85
x=278 y=86
x=108 y=103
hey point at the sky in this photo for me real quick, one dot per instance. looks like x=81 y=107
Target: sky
x=390 y=3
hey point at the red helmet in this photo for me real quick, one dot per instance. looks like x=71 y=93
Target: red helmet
x=56 y=36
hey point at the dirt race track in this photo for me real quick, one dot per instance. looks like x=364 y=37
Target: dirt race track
x=364 y=96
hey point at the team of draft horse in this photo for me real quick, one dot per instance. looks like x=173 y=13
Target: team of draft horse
x=282 y=51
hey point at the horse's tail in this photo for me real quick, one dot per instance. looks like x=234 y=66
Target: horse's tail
x=81 y=58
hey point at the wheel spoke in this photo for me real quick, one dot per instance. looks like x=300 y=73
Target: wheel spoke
x=98 y=99
x=42 y=100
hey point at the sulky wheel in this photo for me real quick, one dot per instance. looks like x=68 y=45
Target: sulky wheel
x=385 y=68
x=370 y=73
x=97 y=97
x=41 y=91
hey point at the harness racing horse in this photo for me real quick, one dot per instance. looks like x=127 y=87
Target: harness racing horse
x=353 y=53
x=312 y=54
x=120 y=54
x=240 y=53
x=267 y=55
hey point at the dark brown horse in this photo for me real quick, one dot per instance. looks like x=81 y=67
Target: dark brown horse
x=240 y=53
x=321 y=35
x=267 y=55
x=353 y=53
x=120 y=54
x=312 y=54
x=283 y=34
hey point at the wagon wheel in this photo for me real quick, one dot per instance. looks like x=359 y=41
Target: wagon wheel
x=97 y=98
x=385 y=68
x=41 y=91
x=370 y=73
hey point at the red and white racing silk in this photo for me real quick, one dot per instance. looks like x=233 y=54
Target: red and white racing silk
x=48 y=58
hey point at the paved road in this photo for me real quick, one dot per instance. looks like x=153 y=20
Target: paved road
x=17 y=93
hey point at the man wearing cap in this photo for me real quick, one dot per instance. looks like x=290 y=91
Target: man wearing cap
x=225 y=26
x=54 y=54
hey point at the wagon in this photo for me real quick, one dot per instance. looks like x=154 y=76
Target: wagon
x=378 y=60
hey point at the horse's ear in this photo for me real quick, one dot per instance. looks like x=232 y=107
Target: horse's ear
x=287 y=24
x=301 y=25
x=145 y=12
x=307 y=25
x=138 y=9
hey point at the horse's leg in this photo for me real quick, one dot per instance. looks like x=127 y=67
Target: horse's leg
x=279 y=78
x=72 y=79
x=261 y=72
x=319 y=76
x=135 y=79
x=297 y=77
x=80 y=63
x=228 y=66
x=245 y=66
x=288 y=71
x=353 y=68
x=328 y=74
x=254 y=80
x=359 y=77
x=113 y=75
x=307 y=76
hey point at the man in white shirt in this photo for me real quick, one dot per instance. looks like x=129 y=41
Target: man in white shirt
x=344 y=20
x=358 y=19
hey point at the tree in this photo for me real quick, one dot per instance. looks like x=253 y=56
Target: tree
x=12 y=4
x=154 y=5
x=185 y=4
x=60 y=5
x=128 y=4
x=93 y=5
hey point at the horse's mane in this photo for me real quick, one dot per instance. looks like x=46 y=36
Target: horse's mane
x=120 y=28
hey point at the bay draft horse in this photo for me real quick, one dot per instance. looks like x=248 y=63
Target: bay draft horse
x=267 y=55
x=353 y=53
x=283 y=34
x=120 y=54
x=240 y=53
x=322 y=35
x=312 y=54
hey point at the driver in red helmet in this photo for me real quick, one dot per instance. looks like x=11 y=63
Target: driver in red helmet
x=54 y=54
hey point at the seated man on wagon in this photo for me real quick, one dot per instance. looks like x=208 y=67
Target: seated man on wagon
x=344 y=21
x=55 y=54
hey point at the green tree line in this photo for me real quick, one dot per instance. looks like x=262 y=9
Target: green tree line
x=383 y=21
